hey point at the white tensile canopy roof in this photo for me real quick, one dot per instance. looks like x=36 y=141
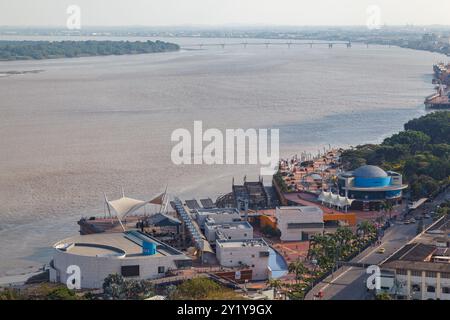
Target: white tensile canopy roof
x=334 y=199
x=125 y=205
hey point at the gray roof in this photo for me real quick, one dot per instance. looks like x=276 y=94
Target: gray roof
x=369 y=172
x=160 y=219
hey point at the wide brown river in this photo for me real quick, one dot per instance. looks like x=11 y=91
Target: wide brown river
x=88 y=126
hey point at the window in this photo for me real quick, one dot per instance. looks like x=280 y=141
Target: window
x=445 y=275
x=431 y=289
x=431 y=274
x=415 y=273
x=264 y=254
x=130 y=271
x=253 y=255
x=245 y=235
x=415 y=288
x=401 y=272
x=161 y=269
x=446 y=290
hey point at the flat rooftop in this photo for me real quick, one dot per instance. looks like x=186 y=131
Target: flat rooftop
x=413 y=252
x=302 y=209
x=243 y=225
x=242 y=243
x=217 y=211
x=125 y=244
x=420 y=254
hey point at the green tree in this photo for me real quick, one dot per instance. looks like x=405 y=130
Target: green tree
x=387 y=206
x=367 y=228
x=299 y=270
x=416 y=140
x=113 y=286
x=383 y=296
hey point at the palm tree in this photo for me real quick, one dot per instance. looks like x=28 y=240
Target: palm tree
x=299 y=269
x=344 y=238
x=367 y=228
x=323 y=248
x=387 y=207
x=275 y=284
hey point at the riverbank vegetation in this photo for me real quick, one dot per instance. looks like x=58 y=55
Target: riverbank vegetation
x=420 y=152
x=37 y=50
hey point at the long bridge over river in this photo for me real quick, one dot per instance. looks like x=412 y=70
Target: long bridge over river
x=268 y=44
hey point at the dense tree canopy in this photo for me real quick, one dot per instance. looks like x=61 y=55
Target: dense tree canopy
x=27 y=50
x=421 y=152
x=436 y=125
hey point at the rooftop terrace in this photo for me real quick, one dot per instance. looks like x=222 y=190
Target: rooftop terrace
x=242 y=243
x=126 y=244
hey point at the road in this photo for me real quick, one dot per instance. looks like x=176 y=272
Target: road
x=349 y=283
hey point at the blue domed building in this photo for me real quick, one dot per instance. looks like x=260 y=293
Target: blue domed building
x=370 y=186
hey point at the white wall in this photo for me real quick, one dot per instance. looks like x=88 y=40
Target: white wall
x=286 y=215
x=248 y=255
x=95 y=269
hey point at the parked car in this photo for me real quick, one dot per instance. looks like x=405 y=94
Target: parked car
x=381 y=250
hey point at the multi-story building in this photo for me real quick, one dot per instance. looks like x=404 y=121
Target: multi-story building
x=131 y=254
x=421 y=269
x=249 y=253
x=299 y=223
x=229 y=231
x=218 y=215
x=370 y=186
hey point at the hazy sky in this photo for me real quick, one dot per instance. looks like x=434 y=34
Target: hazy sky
x=222 y=12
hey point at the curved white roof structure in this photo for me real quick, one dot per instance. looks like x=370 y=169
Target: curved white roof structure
x=334 y=199
x=125 y=206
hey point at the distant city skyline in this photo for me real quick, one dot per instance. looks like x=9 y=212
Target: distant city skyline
x=223 y=12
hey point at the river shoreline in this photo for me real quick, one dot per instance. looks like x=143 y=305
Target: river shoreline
x=404 y=112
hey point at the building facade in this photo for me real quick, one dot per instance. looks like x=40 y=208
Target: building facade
x=228 y=231
x=218 y=216
x=299 y=223
x=370 y=186
x=131 y=254
x=251 y=253
x=420 y=270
